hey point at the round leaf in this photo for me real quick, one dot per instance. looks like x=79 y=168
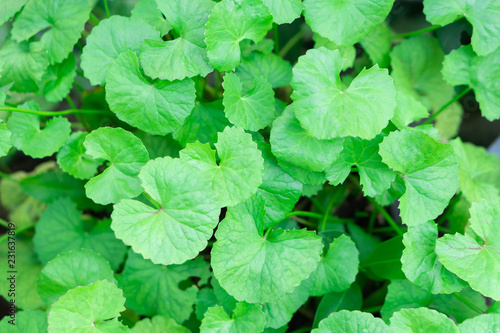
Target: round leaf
x=72 y=157
x=352 y=322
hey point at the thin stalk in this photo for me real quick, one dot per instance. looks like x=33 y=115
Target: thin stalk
x=494 y=306
x=291 y=42
x=52 y=113
x=317 y=204
x=444 y=107
x=106 y=8
x=3 y=238
x=304 y=222
x=80 y=117
x=371 y=222
x=78 y=86
x=150 y=199
x=4 y=223
x=94 y=19
x=467 y=302
x=303 y=213
x=70 y=102
x=276 y=39
x=327 y=213
x=418 y=32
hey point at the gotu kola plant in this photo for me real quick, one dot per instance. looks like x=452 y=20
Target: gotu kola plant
x=183 y=176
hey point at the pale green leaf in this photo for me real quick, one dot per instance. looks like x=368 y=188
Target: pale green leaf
x=420 y=262
x=203 y=124
x=292 y=144
x=377 y=44
x=61 y=229
x=238 y=174
x=245 y=318
x=147 y=11
x=159 y=107
x=5 y=143
x=269 y=65
x=111 y=37
x=251 y=109
x=337 y=269
x=429 y=170
x=179 y=228
x=481 y=14
x=374 y=175
x=24 y=64
x=489 y=322
x=345 y=22
x=478 y=251
x=9 y=8
x=154 y=289
x=241 y=255
x=160 y=146
x=34 y=141
x=58 y=80
x=92 y=308
x=72 y=157
x=70 y=270
x=347 y=52
x=25 y=322
x=326 y=110
x=126 y=155
x=230 y=22
x=352 y=322
x=478 y=171
x=422 y=320
x=64 y=18
x=408 y=109
x=284 y=11
x=462 y=66
x=159 y=324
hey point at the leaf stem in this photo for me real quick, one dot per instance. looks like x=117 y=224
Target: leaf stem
x=467 y=302
x=418 y=32
x=291 y=42
x=4 y=223
x=444 y=107
x=3 y=238
x=52 y=113
x=106 y=8
x=94 y=19
x=493 y=306
x=327 y=213
x=276 y=39
x=80 y=117
x=150 y=199
x=303 y=213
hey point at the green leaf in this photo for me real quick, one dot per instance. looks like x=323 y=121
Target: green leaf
x=347 y=52
x=408 y=109
x=476 y=252
x=377 y=44
x=245 y=318
x=157 y=108
x=429 y=169
x=420 y=263
x=25 y=322
x=478 y=171
x=94 y=307
x=303 y=175
x=279 y=191
x=352 y=322
x=154 y=289
x=58 y=80
x=64 y=18
x=24 y=64
x=147 y=11
x=284 y=11
x=489 y=322
x=184 y=220
x=159 y=324
x=350 y=299
x=9 y=8
x=481 y=14
x=421 y=320
x=203 y=124
x=239 y=172
x=462 y=66
x=28 y=268
x=345 y=22
x=252 y=109
x=111 y=37
x=326 y=110
x=403 y=294
x=160 y=146
x=72 y=157
x=184 y=56
x=385 y=259
x=61 y=229
x=337 y=269
x=70 y=270
x=374 y=175
x=277 y=71
x=241 y=256
x=5 y=143
x=126 y=155
x=280 y=312
x=291 y=143
x=33 y=141
x=230 y=22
